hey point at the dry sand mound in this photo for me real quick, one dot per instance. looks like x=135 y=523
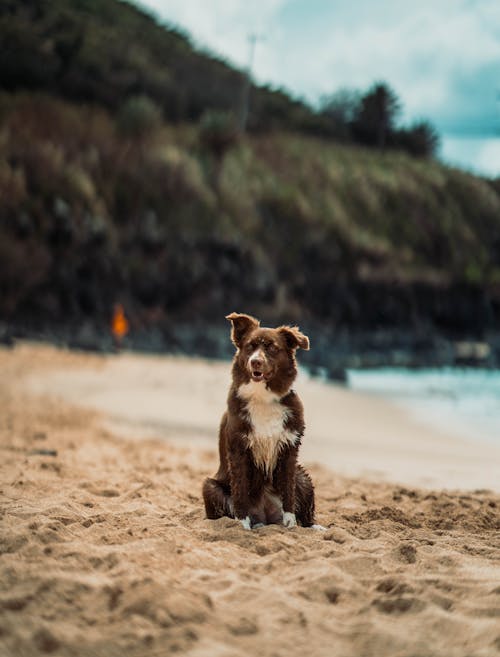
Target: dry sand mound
x=104 y=550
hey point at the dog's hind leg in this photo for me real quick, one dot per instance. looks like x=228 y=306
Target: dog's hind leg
x=217 y=499
x=304 y=498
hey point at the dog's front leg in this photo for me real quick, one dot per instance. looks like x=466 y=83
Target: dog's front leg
x=284 y=483
x=238 y=464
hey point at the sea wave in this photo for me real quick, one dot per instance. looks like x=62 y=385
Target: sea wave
x=461 y=401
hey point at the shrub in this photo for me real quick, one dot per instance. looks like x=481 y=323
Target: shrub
x=218 y=132
x=139 y=117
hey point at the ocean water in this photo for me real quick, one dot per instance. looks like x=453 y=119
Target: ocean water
x=464 y=402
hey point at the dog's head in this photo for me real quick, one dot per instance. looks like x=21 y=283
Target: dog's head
x=266 y=355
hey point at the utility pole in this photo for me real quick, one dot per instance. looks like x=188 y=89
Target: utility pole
x=247 y=82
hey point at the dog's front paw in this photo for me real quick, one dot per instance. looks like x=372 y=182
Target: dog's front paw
x=245 y=522
x=289 y=519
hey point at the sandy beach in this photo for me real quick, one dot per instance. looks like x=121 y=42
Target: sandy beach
x=104 y=548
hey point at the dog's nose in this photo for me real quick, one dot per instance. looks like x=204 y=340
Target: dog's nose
x=256 y=361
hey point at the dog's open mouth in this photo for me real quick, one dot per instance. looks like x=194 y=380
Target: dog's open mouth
x=257 y=375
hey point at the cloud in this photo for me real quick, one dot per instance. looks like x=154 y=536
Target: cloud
x=441 y=58
x=488 y=157
x=437 y=60
x=481 y=156
x=223 y=26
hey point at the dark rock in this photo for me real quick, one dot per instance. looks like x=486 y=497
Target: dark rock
x=6 y=337
x=337 y=374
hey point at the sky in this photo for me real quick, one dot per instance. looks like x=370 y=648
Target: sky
x=441 y=57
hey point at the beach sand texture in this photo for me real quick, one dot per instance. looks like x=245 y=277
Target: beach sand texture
x=104 y=548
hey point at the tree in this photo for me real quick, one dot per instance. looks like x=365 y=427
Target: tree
x=340 y=109
x=342 y=106
x=376 y=118
x=421 y=139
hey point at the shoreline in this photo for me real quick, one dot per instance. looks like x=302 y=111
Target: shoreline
x=181 y=399
x=462 y=401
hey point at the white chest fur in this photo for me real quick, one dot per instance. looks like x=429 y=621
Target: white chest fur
x=267 y=418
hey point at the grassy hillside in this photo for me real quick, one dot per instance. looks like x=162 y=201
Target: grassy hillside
x=103 y=51
x=283 y=225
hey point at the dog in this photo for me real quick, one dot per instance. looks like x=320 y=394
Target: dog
x=259 y=480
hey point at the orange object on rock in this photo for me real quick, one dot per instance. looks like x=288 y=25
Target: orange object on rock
x=119 y=324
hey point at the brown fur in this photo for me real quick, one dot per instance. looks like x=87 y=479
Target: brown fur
x=260 y=433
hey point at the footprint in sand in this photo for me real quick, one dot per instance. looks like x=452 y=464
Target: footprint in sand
x=393 y=586
x=45 y=640
x=243 y=627
x=407 y=553
x=397 y=598
x=97 y=490
x=10 y=543
x=398 y=605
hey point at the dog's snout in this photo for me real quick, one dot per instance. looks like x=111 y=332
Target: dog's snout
x=256 y=361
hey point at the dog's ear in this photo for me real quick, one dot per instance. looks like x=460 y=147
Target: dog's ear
x=294 y=337
x=242 y=324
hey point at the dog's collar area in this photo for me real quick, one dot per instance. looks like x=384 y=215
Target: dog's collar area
x=258 y=391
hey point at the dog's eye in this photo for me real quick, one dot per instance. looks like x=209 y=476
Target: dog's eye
x=273 y=349
x=250 y=347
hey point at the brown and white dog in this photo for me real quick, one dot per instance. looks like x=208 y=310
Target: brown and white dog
x=259 y=480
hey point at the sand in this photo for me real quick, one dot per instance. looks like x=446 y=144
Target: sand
x=104 y=548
